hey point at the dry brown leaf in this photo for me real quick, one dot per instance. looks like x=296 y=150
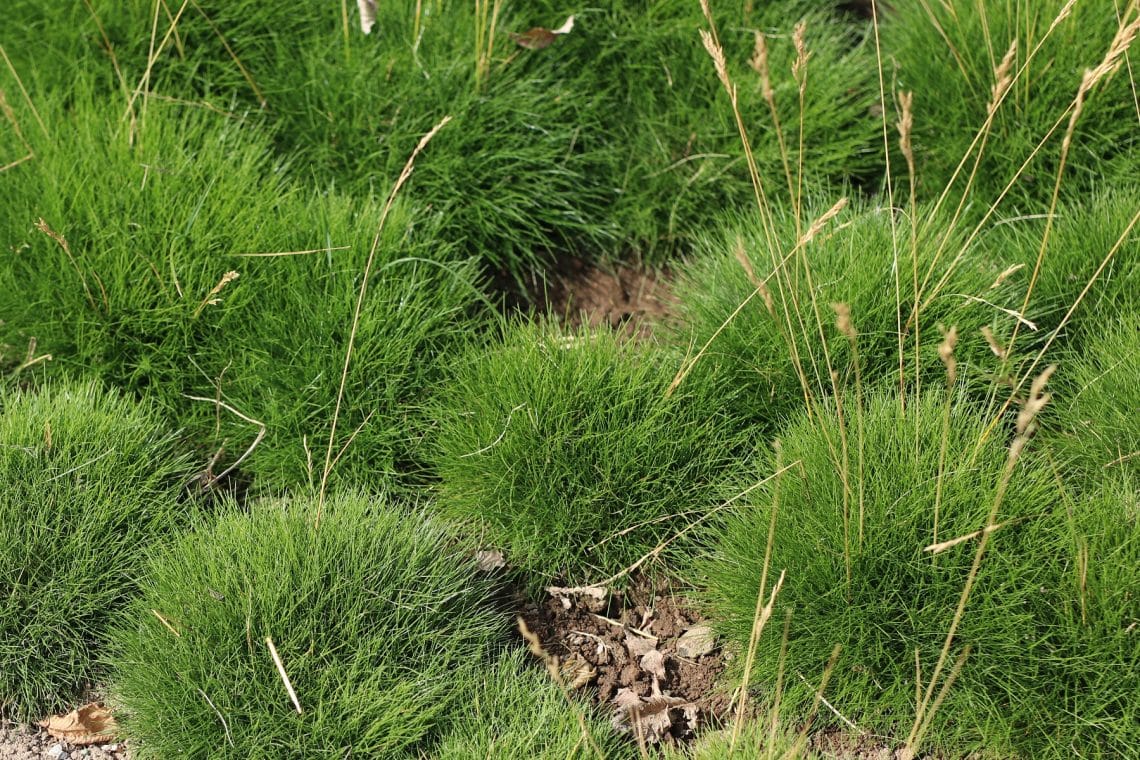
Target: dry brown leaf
x=577 y=671
x=540 y=37
x=653 y=663
x=595 y=598
x=90 y=724
x=646 y=718
x=639 y=646
x=489 y=560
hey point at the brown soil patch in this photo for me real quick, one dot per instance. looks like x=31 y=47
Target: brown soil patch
x=623 y=297
x=629 y=642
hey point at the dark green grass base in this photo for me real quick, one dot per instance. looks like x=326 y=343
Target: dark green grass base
x=380 y=623
x=89 y=481
x=1095 y=420
x=1037 y=672
x=565 y=448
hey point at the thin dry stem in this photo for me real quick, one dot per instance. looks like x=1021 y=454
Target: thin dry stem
x=166 y=623
x=404 y=175
x=763 y=612
x=212 y=298
x=1037 y=400
x=261 y=430
x=24 y=92
x=774 y=717
x=43 y=227
x=284 y=676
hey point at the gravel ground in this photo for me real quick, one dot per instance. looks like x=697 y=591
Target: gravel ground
x=30 y=743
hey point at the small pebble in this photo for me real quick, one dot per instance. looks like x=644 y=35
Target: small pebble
x=696 y=642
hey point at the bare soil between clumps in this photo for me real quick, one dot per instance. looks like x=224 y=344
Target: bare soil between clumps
x=627 y=298
x=623 y=647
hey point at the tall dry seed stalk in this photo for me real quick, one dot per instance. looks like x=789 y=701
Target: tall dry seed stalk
x=486 y=19
x=946 y=355
x=763 y=612
x=1026 y=426
x=1126 y=33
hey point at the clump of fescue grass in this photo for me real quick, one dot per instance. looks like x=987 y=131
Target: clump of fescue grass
x=259 y=635
x=764 y=307
x=88 y=482
x=1088 y=696
x=1093 y=242
x=347 y=108
x=876 y=589
x=613 y=138
x=1097 y=426
x=188 y=266
x=756 y=740
x=569 y=451
x=517 y=711
x=947 y=54
x=679 y=143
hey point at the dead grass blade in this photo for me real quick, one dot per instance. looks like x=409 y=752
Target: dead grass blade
x=404 y=175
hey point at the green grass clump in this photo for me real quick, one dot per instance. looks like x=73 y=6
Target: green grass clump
x=88 y=482
x=1098 y=427
x=1089 y=692
x=760 y=358
x=1083 y=235
x=558 y=444
x=517 y=711
x=615 y=137
x=858 y=577
x=379 y=620
x=947 y=54
x=141 y=296
x=681 y=162
x=515 y=175
x=755 y=740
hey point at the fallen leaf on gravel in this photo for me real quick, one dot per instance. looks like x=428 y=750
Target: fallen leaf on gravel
x=90 y=724
x=540 y=37
x=696 y=642
x=594 y=597
x=653 y=663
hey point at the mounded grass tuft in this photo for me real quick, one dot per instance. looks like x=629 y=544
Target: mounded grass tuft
x=568 y=451
x=947 y=54
x=763 y=360
x=678 y=143
x=380 y=623
x=868 y=585
x=1099 y=429
x=144 y=294
x=517 y=711
x=88 y=482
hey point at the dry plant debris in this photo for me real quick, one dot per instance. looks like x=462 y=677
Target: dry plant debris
x=91 y=724
x=646 y=654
